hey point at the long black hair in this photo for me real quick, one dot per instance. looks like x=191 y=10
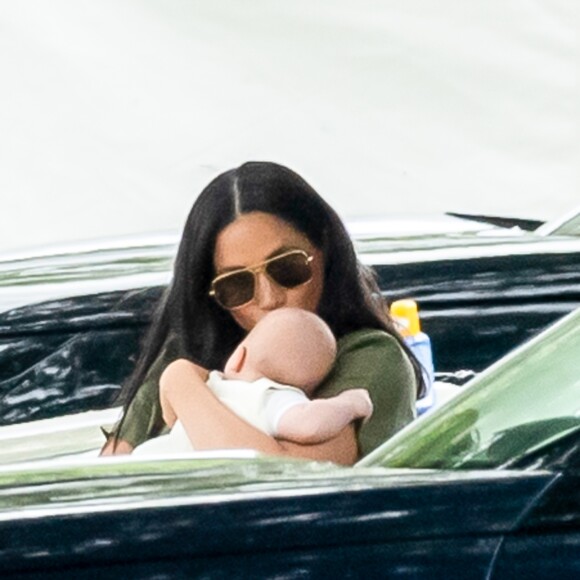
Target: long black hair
x=202 y=331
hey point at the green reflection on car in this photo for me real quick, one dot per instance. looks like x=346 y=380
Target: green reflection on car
x=528 y=400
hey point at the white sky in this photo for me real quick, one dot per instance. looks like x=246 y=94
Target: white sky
x=115 y=113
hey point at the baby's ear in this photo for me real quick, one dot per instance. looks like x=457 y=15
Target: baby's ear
x=238 y=359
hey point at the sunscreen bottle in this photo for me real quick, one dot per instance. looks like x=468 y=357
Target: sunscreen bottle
x=406 y=317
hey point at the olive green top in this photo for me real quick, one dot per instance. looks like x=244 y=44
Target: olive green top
x=369 y=359
x=374 y=360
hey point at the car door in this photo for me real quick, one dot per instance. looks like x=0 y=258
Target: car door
x=69 y=355
x=546 y=543
x=265 y=518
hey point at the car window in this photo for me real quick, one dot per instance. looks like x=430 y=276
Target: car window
x=570 y=228
x=567 y=225
x=528 y=400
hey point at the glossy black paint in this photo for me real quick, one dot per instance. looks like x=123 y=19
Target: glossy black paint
x=70 y=355
x=430 y=524
x=504 y=222
x=268 y=518
x=479 y=308
x=547 y=544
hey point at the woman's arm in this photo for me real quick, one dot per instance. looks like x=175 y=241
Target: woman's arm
x=142 y=419
x=209 y=424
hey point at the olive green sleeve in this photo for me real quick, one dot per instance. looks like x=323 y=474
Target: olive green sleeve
x=143 y=418
x=374 y=360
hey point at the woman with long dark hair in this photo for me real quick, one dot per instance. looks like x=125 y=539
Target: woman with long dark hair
x=257 y=238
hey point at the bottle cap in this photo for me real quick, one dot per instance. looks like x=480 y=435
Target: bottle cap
x=406 y=316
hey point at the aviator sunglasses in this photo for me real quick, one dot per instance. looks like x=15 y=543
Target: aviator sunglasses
x=235 y=289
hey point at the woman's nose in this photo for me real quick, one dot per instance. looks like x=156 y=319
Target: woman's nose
x=269 y=295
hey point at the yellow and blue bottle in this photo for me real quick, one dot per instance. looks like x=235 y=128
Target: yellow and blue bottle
x=406 y=316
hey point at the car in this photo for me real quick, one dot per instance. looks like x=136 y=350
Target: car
x=486 y=486
x=72 y=317
x=481 y=292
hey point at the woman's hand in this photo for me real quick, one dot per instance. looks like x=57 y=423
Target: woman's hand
x=121 y=447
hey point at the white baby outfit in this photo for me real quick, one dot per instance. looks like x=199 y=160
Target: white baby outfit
x=261 y=403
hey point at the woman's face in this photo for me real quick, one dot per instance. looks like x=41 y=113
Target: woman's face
x=253 y=238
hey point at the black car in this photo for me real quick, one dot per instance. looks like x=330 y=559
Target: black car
x=482 y=292
x=71 y=318
x=486 y=487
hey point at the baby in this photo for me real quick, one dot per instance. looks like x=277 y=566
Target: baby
x=268 y=379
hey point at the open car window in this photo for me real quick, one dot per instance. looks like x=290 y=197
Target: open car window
x=509 y=411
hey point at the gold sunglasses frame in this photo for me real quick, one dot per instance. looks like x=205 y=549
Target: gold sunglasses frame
x=255 y=270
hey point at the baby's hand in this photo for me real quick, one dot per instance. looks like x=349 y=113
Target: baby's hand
x=360 y=401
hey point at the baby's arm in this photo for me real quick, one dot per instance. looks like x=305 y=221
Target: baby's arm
x=322 y=419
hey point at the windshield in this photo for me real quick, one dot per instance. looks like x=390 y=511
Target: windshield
x=570 y=228
x=568 y=225
x=527 y=400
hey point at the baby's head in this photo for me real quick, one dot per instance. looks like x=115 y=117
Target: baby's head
x=288 y=345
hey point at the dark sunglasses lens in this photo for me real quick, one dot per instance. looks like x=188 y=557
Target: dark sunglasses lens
x=290 y=271
x=235 y=290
